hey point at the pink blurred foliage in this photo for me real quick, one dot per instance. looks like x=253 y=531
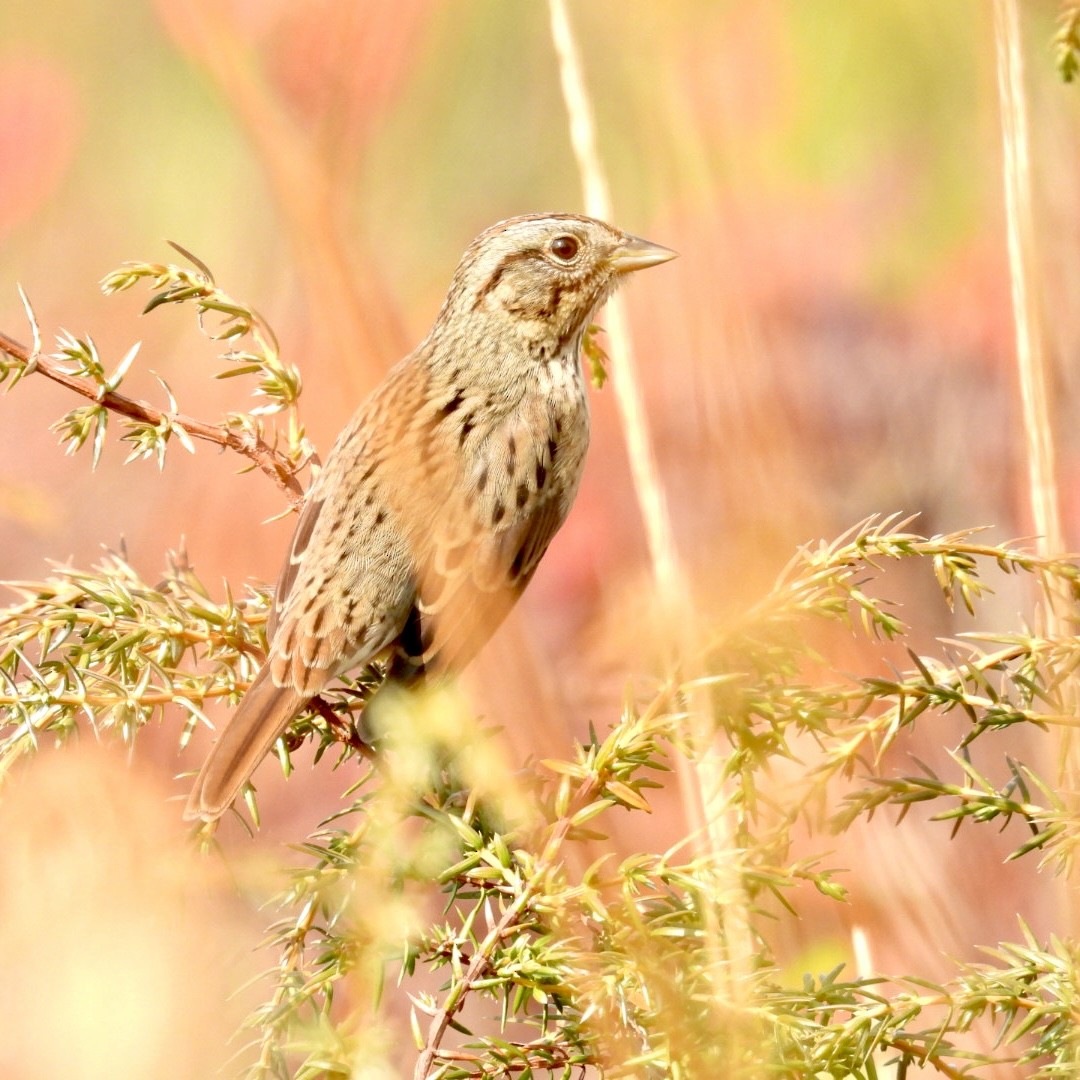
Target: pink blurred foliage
x=966 y=301
x=41 y=120
x=334 y=65
x=308 y=84
x=736 y=71
x=341 y=66
x=789 y=393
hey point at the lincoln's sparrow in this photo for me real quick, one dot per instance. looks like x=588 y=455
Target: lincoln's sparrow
x=442 y=494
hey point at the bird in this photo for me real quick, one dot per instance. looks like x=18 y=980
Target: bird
x=441 y=495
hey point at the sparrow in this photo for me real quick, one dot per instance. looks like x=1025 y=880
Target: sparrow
x=442 y=494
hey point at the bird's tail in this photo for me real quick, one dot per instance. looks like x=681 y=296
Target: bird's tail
x=259 y=720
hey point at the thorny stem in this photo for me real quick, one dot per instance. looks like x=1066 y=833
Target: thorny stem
x=28 y=613
x=144 y=700
x=532 y=1059
x=275 y=464
x=289 y=964
x=905 y=1046
x=481 y=958
x=456 y=998
x=927 y=1057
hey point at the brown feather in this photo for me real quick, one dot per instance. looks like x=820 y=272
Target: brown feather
x=301 y=538
x=257 y=724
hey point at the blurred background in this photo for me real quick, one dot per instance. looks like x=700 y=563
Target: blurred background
x=835 y=341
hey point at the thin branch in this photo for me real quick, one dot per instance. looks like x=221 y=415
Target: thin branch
x=288 y=966
x=482 y=957
x=275 y=464
x=926 y=1056
x=534 y=1056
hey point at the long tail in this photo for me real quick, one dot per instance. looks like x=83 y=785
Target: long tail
x=261 y=717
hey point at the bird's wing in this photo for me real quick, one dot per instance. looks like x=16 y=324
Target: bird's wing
x=485 y=520
x=346 y=589
x=349 y=596
x=287 y=578
x=344 y=594
x=469 y=583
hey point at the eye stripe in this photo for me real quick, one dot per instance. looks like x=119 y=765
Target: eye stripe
x=509 y=260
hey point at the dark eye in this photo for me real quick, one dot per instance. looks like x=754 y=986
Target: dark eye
x=564 y=247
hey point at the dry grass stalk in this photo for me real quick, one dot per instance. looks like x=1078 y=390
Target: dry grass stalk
x=701 y=785
x=1031 y=359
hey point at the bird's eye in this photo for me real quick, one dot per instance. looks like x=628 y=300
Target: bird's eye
x=564 y=247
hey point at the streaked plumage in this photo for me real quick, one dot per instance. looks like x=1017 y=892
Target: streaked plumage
x=441 y=495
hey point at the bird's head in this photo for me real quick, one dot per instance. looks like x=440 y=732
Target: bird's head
x=539 y=278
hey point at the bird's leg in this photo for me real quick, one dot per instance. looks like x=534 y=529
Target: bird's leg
x=342 y=729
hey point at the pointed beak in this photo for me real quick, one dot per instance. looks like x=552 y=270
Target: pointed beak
x=636 y=254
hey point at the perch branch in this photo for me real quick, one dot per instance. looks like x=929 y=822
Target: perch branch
x=251 y=446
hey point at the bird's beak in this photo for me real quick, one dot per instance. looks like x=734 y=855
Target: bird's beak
x=635 y=254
